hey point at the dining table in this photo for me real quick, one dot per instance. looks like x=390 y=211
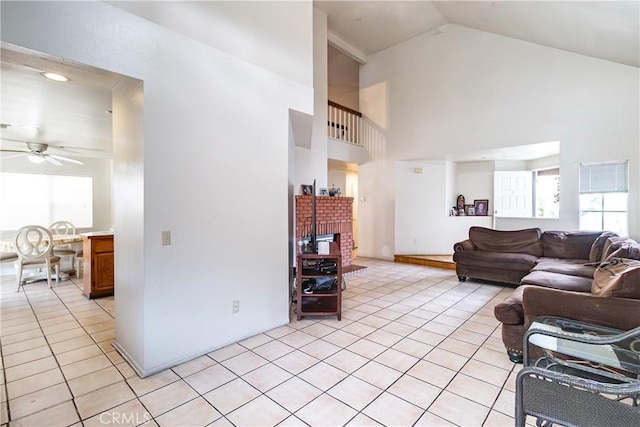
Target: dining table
x=6 y=245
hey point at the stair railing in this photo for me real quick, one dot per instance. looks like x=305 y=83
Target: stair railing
x=343 y=123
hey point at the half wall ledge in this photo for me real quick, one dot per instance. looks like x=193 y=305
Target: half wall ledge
x=439 y=261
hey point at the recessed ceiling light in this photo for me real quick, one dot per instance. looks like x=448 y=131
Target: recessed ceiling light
x=32 y=128
x=56 y=77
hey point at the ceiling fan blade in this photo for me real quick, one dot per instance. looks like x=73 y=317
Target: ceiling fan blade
x=3 y=138
x=21 y=154
x=53 y=160
x=13 y=151
x=66 y=159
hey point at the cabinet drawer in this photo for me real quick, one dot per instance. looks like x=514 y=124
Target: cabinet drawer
x=311 y=304
x=102 y=245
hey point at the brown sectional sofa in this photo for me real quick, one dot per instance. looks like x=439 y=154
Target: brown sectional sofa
x=555 y=269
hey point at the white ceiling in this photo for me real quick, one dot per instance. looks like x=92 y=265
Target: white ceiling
x=72 y=115
x=607 y=30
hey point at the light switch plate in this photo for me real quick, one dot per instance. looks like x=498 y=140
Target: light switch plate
x=166 y=238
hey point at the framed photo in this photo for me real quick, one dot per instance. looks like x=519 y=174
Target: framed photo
x=468 y=210
x=324 y=192
x=307 y=190
x=471 y=211
x=481 y=207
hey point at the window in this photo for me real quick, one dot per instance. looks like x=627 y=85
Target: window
x=547 y=193
x=604 y=189
x=43 y=199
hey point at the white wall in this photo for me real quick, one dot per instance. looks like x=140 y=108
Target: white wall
x=311 y=163
x=469 y=90
x=475 y=181
x=343 y=79
x=193 y=174
x=258 y=32
x=423 y=224
x=346 y=152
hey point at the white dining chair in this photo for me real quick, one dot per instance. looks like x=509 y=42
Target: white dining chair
x=33 y=245
x=65 y=228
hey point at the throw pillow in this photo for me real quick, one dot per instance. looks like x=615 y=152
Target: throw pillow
x=613 y=244
x=618 y=277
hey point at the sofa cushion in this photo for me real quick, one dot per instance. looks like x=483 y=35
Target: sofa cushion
x=565 y=282
x=525 y=241
x=568 y=244
x=571 y=267
x=595 y=254
x=619 y=281
x=496 y=260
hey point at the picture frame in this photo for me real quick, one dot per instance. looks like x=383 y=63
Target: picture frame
x=481 y=207
x=471 y=211
x=324 y=192
x=468 y=210
x=307 y=190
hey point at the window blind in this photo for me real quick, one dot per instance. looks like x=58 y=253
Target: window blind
x=604 y=177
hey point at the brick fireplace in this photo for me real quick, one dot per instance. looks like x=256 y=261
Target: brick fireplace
x=334 y=215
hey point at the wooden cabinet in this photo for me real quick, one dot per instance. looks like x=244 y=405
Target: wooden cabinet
x=319 y=283
x=98 y=264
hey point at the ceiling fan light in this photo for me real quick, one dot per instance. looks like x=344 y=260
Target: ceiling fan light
x=35 y=158
x=56 y=77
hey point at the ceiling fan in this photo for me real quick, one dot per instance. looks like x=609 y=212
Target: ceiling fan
x=36 y=153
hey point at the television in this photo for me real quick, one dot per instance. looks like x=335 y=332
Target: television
x=312 y=246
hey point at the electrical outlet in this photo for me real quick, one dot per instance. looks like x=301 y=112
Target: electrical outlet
x=166 y=238
x=236 y=307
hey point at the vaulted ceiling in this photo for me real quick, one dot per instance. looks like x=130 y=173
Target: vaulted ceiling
x=73 y=115
x=608 y=30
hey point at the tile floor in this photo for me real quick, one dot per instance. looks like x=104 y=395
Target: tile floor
x=414 y=348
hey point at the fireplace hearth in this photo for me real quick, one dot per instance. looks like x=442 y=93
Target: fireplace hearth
x=334 y=215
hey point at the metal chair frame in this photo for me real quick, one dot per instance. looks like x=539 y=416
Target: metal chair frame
x=575 y=392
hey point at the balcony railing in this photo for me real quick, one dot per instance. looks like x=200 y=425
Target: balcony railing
x=343 y=123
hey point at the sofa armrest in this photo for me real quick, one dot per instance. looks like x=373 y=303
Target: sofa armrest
x=465 y=245
x=510 y=311
x=618 y=313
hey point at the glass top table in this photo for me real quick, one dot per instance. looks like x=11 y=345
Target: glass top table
x=598 y=344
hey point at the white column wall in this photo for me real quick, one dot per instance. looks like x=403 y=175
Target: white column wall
x=213 y=170
x=469 y=90
x=311 y=163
